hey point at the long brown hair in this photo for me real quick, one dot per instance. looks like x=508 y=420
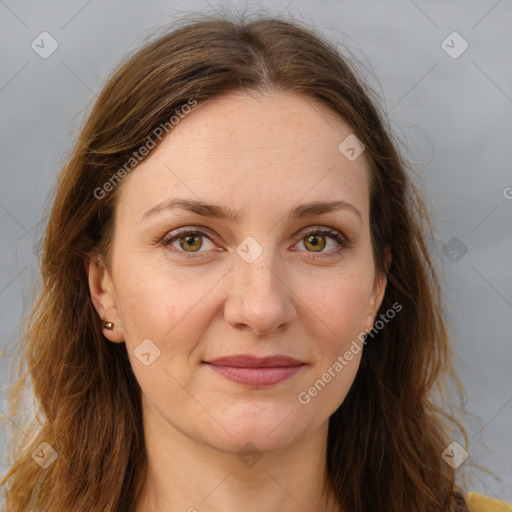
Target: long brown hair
x=386 y=439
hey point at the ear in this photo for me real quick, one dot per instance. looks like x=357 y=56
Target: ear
x=379 y=288
x=103 y=297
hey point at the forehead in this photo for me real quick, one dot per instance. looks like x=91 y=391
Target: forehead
x=251 y=151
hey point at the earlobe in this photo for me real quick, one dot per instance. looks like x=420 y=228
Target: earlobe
x=103 y=298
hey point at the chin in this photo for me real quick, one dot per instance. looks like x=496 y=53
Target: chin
x=266 y=426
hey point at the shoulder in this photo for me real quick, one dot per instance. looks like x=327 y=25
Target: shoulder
x=478 y=503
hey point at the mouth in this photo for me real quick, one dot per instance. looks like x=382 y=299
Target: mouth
x=256 y=371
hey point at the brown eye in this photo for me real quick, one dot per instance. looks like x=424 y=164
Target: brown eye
x=191 y=243
x=325 y=242
x=315 y=243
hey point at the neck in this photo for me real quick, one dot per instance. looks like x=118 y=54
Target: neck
x=185 y=475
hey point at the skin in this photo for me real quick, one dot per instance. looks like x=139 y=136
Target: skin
x=260 y=156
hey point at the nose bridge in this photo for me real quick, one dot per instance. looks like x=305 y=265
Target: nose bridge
x=259 y=296
x=261 y=279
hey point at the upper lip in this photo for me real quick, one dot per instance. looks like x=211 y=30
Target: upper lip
x=248 y=361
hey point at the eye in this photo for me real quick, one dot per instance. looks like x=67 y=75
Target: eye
x=315 y=240
x=187 y=242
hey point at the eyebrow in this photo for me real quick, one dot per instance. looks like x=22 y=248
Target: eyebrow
x=211 y=210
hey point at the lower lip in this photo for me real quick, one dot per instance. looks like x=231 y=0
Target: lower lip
x=256 y=377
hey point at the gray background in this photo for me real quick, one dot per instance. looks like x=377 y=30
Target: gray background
x=453 y=115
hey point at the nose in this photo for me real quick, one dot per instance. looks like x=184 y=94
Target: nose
x=260 y=299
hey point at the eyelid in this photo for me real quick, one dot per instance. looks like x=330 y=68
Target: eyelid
x=324 y=230
x=178 y=232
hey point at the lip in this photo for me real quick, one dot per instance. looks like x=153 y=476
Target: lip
x=248 y=361
x=256 y=371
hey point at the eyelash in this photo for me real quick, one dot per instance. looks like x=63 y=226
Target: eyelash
x=331 y=233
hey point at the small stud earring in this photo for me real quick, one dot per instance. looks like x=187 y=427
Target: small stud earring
x=107 y=325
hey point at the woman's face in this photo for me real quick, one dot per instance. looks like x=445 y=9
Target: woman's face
x=256 y=259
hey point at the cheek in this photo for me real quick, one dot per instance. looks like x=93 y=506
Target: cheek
x=146 y=289
x=160 y=302
x=167 y=308
x=340 y=303
x=336 y=320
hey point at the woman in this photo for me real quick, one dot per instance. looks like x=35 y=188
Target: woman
x=239 y=311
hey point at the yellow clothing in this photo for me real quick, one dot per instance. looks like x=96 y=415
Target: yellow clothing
x=479 y=503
